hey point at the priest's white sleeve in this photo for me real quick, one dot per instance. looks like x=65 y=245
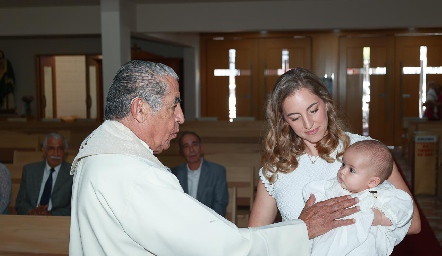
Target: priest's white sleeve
x=142 y=210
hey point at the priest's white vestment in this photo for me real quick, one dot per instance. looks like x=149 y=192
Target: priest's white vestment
x=126 y=202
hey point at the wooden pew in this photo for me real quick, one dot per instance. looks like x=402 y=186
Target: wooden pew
x=217 y=148
x=18 y=139
x=227 y=132
x=236 y=159
x=232 y=206
x=26 y=157
x=75 y=133
x=15 y=170
x=225 y=159
x=23 y=141
x=242 y=177
x=13 y=140
x=171 y=160
x=34 y=235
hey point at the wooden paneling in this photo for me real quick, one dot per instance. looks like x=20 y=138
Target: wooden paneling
x=34 y=235
x=217 y=87
x=381 y=89
x=407 y=85
x=258 y=61
x=271 y=60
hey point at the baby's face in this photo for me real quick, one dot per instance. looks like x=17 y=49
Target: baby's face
x=354 y=174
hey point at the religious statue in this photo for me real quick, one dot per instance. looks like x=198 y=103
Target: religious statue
x=7 y=84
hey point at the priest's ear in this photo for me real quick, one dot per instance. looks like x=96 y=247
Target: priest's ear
x=139 y=109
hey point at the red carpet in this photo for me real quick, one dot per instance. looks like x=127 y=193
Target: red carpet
x=423 y=244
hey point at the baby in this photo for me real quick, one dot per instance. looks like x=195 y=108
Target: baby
x=366 y=165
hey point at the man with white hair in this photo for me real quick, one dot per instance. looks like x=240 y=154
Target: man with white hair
x=46 y=186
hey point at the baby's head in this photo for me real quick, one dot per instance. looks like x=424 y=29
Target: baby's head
x=365 y=165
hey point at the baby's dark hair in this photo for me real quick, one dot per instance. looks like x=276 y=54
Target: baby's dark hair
x=379 y=156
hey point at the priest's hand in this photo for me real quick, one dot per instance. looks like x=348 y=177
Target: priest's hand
x=325 y=216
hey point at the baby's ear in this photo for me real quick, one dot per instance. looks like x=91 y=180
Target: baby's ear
x=374 y=182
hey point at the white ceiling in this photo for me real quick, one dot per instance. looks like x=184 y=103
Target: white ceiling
x=47 y=3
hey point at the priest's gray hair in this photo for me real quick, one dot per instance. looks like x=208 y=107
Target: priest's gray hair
x=137 y=79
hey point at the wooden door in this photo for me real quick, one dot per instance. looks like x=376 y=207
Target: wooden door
x=47 y=103
x=408 y=55
x=94 y=87
x=278 y=55
x=46 y=100
x=237 y=58
x=366 y=88
x=258 y=63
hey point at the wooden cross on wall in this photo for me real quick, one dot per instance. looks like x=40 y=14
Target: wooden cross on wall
x=366 y=71
x=422 y=71
x=232 y=72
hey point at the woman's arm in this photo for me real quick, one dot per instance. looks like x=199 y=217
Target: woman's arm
x=398 y=182
x=380 y=219
x=264 y=208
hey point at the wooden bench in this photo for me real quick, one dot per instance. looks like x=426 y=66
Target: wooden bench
x=34 y=235
x=26 y=157
x=171 y=160
x=26 y=141
x=216 y=148
x=242 y=177
x=12 y=140
x=15 y=170
x=239 y=159
x=232 y=206
x=227 y=132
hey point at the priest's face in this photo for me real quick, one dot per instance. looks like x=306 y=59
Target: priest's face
x=167 y=120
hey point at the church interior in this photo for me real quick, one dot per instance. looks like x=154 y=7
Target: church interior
x=375 y=57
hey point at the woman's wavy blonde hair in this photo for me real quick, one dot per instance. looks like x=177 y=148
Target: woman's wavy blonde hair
x=281 y=146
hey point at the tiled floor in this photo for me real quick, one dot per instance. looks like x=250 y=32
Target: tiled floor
x=430 y=205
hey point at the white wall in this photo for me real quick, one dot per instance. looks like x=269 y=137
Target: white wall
x=288 y=15
x=230 y=16
x=81 y=20
x=181 y=23
x=22 y=52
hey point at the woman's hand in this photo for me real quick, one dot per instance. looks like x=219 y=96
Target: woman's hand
x=380 y=219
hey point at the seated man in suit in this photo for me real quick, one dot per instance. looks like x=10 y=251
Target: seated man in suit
x=203 y=180
x=46 y=186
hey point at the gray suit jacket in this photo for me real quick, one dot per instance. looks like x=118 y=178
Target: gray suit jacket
x=31 y=179
x=212 y=187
